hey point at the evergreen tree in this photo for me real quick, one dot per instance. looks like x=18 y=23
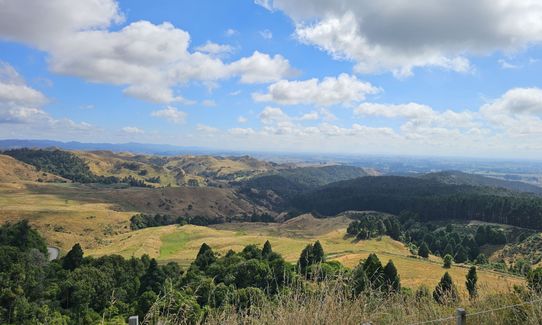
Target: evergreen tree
x=392 y=282
x=472 y=279
x=448 y=259
x=153 y=279
x=305 y=259
x=359 y=279
x=481 y=236
x=461 y=256
x=373 y=268
x=74 y=258
x=317 y=253
x=445 y=291
x=448 y=249
x=395 y=229
x=423 y=251
x=267 y=249
x=205 y=257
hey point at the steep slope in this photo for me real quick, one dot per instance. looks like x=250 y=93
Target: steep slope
x=275 y=189
x=12 y=170
x=430 y=199
x=460 y=178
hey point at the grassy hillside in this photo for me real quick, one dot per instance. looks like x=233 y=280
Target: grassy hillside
x=12 y=170
x=181 y=244
x=91 y=214
x=175 y=170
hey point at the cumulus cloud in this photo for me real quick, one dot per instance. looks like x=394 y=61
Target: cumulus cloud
x=22 y=104
x=241 y=131
x=343 y=89
x=132 y=130
x=518 y=111
x=242 y=119
x=404 y=34
x=171 y=114
x=206 y=129
x=150 y=60
x=215 y=49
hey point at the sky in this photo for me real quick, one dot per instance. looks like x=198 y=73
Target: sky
x=443 y=78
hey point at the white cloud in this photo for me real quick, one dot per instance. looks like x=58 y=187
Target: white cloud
x=171 y=114
x=271 y=115
x=343 y=89
x=507 y=65
x=230 y=32
x=206 y=129
x=266 y=33
x=149 y=60
x=311 y=116
x=242 y=119
x=132 y=130
x=215 y=49
x=262 y=68
x=518 y=112
x=241 y=131
x=399 y=36
x=22 y=104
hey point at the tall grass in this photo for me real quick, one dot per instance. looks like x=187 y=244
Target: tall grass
x=332 y=302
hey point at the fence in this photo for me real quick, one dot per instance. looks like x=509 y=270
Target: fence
x=461 y=314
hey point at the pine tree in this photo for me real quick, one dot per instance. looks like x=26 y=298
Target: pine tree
x=205 y=257
x=445 y=291
x=317 y=253
x=448 y=249
x=392 y=282
x=373 y=268
x=448 y=259
x=305 y=259
x=461 y=256
x=472 y=279
x=359 y=279
x=267 y=249
x=153 y=278
x=74 y=258
x=423 y=251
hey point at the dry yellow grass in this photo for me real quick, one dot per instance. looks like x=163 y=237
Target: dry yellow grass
x=181 y=244
x=61 y=219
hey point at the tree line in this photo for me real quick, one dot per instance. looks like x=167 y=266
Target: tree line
x=68 y=165
x=84 y=290
x=429 y=199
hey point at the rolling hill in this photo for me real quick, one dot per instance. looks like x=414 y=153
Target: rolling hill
x=13 y=170
x=460 y=178
x=428 y=198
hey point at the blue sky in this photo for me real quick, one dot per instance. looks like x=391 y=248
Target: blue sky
x=398 y=77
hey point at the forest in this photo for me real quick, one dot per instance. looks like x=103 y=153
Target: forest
x=84 y=290
x=429 y=199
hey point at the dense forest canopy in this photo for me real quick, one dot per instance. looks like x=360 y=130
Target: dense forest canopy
x=430 y=199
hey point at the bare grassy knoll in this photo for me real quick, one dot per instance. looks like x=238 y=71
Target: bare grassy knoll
x=181 y=244
x=12 y=170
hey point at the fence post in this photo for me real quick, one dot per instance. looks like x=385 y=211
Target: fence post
x=133 y=320
x=461 y=316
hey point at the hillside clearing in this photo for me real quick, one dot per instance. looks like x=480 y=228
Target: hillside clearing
x=181 y=244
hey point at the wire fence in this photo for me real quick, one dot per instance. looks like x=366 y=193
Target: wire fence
x=457 y=316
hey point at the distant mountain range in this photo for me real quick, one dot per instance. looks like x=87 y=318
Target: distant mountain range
x=140 y=148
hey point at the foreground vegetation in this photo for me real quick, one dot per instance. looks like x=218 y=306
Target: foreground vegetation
x=255 y=285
